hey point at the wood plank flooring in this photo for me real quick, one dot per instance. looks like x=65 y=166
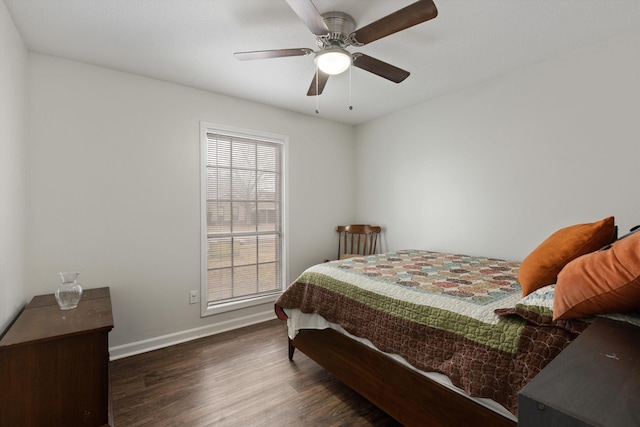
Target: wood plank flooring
x=237 y=378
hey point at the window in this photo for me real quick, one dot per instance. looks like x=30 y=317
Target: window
x=243 y=240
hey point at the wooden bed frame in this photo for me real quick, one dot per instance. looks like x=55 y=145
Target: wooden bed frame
x=410 y=398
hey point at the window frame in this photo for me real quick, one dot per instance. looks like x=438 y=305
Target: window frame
x=206 y=128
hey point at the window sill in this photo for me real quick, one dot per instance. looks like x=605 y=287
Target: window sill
x=237 y=305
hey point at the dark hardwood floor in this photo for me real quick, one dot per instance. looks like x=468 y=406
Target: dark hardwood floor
x=237 y=378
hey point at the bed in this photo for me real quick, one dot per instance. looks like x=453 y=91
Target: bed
x=447 y=339
x=430 y=338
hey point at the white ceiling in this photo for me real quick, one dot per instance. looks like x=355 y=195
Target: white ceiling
x=191 y=42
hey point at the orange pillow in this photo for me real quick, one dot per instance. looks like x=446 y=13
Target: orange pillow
x=601 y=282
x=541 y=267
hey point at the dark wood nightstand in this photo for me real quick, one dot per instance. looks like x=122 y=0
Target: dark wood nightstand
x=595 y=381
x=54 y=364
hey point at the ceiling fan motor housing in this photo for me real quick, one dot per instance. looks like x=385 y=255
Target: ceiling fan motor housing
x=340 y=25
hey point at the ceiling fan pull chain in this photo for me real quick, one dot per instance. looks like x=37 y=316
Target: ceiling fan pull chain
x=350 y=102
x=317 y=94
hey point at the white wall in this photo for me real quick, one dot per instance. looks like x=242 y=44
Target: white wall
x=115 y=191
x=495 y=168
x=13 y=174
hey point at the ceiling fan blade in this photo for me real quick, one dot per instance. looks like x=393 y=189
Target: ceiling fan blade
x=308 y=13
x=322 y=81
x=277 y=53
x=381 y=68
x=399 y=20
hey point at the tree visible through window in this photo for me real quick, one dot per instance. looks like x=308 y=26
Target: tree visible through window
x=244 y=216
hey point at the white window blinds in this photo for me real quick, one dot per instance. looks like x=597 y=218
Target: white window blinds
x=244 y=217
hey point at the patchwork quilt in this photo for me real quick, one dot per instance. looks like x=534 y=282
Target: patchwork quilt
x=458 y=315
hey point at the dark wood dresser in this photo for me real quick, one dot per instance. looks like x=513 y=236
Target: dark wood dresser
x=54 y=364
x=595 y=381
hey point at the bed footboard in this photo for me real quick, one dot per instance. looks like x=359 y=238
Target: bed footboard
x=407 y=396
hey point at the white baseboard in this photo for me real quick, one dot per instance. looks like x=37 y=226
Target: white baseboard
x=131 y=349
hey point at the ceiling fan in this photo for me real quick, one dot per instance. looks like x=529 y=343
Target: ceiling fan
x=335 y=31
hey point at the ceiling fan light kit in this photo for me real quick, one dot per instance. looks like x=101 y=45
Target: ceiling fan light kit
x=334 y=32
x=333 y=61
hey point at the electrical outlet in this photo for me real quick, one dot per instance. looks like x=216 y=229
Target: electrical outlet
x=193 y=297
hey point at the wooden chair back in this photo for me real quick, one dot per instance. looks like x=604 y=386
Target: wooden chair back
x=357 y=240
